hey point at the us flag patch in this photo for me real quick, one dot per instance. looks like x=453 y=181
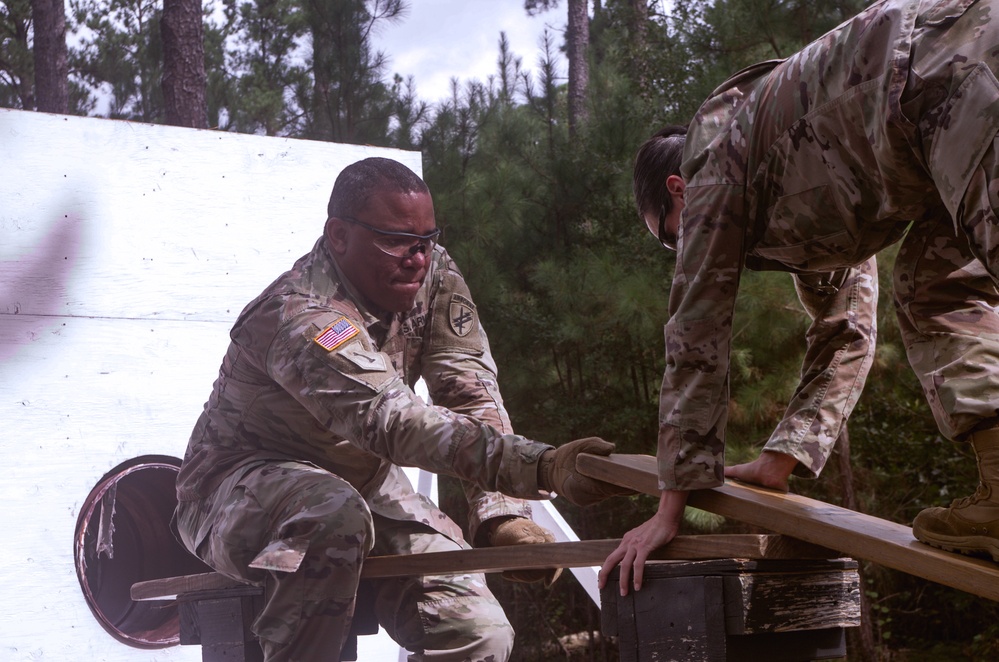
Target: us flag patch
x=336 y=334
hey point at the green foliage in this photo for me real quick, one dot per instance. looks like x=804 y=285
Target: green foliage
x=263 y=72
x=17 y=69
x=120 y=53
x=346 y=100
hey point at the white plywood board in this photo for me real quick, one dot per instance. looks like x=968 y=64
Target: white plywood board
x=126 y=251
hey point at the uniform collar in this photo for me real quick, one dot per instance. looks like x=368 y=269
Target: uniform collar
x=369 y=313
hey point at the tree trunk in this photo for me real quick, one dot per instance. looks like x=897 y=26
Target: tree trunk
x=51 y=68
x=638 y=20
x=863 y=638
x=326 y=94
x=577 y=42
x=184 y=80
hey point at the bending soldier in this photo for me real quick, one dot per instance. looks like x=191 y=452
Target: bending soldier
x=883 y=130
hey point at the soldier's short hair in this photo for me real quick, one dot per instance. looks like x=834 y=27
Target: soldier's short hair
x=360 y=180
x=658 y=158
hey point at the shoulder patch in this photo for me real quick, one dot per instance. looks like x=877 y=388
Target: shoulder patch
x=461 y=315
x=363 y=359
x=454 y=322
x=336 y=334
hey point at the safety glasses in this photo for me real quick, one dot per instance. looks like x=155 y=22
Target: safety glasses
x=667 y=239
x=399 y=244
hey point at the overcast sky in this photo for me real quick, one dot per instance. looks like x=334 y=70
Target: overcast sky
x=443 y=39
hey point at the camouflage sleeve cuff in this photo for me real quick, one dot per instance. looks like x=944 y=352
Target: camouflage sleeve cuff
x=494 y=505
x=689 y=461
x=520 y=476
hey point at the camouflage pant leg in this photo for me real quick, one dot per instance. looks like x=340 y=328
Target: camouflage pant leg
x=838 y=357
x=443 y=618
x=306 y=612
x=946 y=299
x=948 y=311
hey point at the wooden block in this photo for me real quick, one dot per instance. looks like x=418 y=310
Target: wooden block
x=762 y=602
x=851 y=533
x=675 y=618
x=735 y=609
x=221 y=616
x=220 y=620
x=249 y=651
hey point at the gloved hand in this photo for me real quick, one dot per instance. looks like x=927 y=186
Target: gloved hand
x=557 y=473
x=523 y=531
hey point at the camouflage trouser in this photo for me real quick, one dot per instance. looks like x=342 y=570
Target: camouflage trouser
x=948 y=312
x=307 y=613
x=948 y=264
x=843 y=307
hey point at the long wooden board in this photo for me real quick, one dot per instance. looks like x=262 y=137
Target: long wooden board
x=854 y=534
x=579 y=554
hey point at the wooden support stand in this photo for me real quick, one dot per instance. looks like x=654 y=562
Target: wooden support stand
x=735 y=610
x=219 y=619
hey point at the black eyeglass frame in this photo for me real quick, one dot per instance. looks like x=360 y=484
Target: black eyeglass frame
x=423 y=242
x=668 y=242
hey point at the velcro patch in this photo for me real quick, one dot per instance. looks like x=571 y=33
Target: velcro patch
x=365 y=360
x=454 y=322
x=461 y=315
x=336 y=334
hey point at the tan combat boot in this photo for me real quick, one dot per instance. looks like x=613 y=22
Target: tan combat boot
x=970 y=525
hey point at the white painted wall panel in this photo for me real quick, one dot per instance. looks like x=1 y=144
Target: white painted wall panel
x=126 y=251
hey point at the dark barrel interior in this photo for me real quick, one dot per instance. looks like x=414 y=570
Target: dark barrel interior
x=123 y=536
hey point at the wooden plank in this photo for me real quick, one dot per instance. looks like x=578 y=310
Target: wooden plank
x=581 y=554
x=578 y=554
x=855 y=534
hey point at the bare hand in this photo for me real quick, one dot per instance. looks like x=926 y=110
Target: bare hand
x=637 y=544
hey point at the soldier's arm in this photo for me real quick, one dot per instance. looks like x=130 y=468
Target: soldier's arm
x=693 y=405
x=461 y=376
x=325 y=360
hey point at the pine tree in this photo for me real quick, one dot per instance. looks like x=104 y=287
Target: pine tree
x=17 y=88
x=347 y=100
x=184 y=81
x=120 y=54
x=266 y=71
x=50 y=56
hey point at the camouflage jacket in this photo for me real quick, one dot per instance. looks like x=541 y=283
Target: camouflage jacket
x=312 y=375
x=810 y=164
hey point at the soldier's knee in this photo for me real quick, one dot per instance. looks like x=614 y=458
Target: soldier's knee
x=326 y=510
x=499 y=639
x=342 y=519
x=485 y=631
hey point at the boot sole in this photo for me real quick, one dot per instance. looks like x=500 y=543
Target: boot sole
x=968 y=545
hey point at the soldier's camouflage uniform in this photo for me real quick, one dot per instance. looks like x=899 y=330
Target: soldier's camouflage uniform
x=285 y=467
x=882 y=130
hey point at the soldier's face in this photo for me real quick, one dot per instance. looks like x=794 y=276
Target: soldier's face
x=387 y=281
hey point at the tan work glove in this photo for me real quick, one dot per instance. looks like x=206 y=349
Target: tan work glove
x=557 y=473
x=523 y=531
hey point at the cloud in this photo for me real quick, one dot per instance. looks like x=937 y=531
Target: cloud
x=443 y=39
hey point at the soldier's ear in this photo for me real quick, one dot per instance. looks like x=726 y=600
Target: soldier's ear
x=336 y=235
x=675 y=185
